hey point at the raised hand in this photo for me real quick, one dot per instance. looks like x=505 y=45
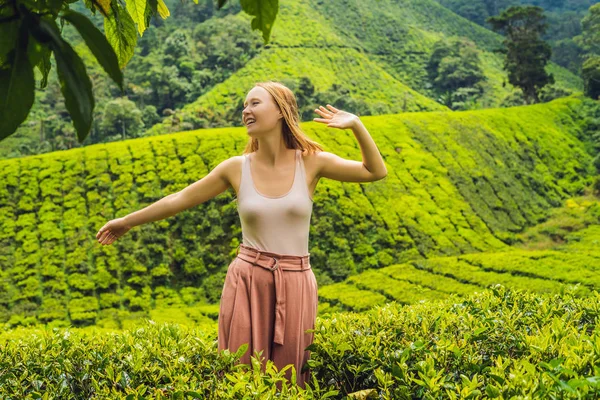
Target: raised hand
x=335 y=118
x=112 y=230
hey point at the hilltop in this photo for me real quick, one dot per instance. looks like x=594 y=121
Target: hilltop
x=377 y=52
x=194 y=69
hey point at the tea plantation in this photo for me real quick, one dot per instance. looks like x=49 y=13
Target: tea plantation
x=495 y=344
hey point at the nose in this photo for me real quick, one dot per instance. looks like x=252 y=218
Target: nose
x=244 y=114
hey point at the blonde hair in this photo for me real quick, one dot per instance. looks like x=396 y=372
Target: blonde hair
x=293 y=136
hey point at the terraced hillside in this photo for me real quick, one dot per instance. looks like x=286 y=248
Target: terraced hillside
x=458 y=183
x=378 y=51
x=571 y=262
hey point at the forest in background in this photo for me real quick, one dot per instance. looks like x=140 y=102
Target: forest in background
x=192 y=70
x=564 y=20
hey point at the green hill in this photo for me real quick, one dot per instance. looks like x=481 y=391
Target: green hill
x=194 y=69
x=458 y=183
x=545 y=271
x=559 y=253
x=377 y=51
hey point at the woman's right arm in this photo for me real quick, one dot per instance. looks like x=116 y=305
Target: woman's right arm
x=214 y=183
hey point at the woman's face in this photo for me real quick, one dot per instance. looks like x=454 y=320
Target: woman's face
x=260 y=107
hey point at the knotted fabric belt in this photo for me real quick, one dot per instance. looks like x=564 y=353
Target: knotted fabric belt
x=276 y=263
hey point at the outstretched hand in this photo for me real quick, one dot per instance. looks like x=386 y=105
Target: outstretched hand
x=335 y=118
x=112 y=230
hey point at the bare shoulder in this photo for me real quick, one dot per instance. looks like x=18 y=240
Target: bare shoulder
x=321 y=158
x=313 y=163
x=233 y=162
x=231 y=170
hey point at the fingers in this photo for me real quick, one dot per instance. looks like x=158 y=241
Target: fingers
x=322 y=111
x=102 y=235
x=106 y=237
x=326 y=111
x=332 y=108
x=111 y=238
x=325 y=121
x=100 y=232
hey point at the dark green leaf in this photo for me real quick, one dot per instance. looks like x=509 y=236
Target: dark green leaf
x=311 y=347
x=39 y=56
x=44 y=66
x=8 y=38
x=17 y=86
x=98 y=44
x=74 y=81
x=151 y=10
x=397 y=371
x=264 y=12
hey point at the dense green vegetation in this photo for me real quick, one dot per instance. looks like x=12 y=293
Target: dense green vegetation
x=368 y=41
x=462 y=182
x=500 y=198
x=497 y=344
x=564 y=17
x=31 y=34
x=159 y=76
x=559 y=254
x=193 y=69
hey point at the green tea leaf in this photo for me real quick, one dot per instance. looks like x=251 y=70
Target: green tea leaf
x=163 y=11
x=137 y=10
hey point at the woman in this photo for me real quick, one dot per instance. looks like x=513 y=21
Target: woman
x=269 y=297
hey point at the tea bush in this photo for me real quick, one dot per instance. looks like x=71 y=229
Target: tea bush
x=496 y=344
x=499 y=343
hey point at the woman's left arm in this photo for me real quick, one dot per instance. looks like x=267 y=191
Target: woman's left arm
x=332 y=166
x=370 y=153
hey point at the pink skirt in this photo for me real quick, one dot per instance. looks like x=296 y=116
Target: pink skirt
x=269 y=301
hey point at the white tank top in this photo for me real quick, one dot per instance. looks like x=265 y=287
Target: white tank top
x=277 y=224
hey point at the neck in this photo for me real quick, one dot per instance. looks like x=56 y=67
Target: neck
x=272 y=150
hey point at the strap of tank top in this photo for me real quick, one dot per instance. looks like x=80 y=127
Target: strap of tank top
x=245 y=178
x=303 y=173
